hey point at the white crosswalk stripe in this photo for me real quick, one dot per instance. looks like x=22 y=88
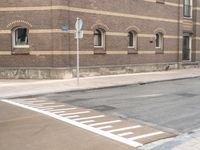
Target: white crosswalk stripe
x=124 y=129
x=65 y=109
x=89 y=121
x=104 y=127
x=50 y=107
x=75 y=113
x=104 y=123
x=71 y=117
x=92 y=117
x=39 y=105
x=125 y=134
x=146 y=135
x=58 y=112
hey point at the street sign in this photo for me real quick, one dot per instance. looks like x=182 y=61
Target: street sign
x=79 y=35
x=65 y=27
x=79 y=24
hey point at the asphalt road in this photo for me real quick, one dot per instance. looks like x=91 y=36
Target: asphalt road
x=173 y=105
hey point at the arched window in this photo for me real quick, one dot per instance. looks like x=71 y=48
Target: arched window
x=132 y=39
x=159 y=40
x=20 y=37
x=99 y=38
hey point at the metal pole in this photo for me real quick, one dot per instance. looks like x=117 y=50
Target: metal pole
x=77 y=61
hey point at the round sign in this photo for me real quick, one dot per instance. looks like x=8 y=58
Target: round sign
x=65 y=27
x=79 y=24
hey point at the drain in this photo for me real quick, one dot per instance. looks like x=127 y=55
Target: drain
x=103 y=108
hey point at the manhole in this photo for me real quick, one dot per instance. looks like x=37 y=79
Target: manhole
x=103 y=108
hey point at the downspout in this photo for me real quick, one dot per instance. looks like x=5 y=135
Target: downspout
x=179 y=24
x=52 y=45
x=69 y=65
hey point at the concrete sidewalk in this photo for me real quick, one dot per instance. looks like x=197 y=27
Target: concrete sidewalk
x=17 y=88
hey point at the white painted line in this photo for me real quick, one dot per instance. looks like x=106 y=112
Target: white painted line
x=89 y=121
x=58 y=112
x=124 y=129
x=71 y=117
x=39 y=101
x=92 y=117
x=75 y=113
x=77 y=124
x=29 y=99
x=45 y=109
x=39 y=105
x=45 y=104
x=32 y=101
x=65 y=109
x=146 y=135
x=104 y=127
x=55 y=106
x=104 y=123
x=125 y=134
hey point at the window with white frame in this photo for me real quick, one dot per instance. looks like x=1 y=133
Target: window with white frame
x=159 y=40
x=132 y=39
x=20 y=37
x=99 y=38
x=187 y=8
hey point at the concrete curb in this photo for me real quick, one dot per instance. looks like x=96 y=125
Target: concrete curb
x=104 y=87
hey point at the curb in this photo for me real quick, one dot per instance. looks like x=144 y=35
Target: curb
x=99 y=88
x=129 y=84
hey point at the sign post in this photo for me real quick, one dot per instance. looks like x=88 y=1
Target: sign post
x=78 y=35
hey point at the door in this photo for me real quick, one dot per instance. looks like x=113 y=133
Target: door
x=186 y=47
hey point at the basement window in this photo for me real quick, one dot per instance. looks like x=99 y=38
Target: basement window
x=160 y=1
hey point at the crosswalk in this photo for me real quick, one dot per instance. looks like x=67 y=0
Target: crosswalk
x=130 y=133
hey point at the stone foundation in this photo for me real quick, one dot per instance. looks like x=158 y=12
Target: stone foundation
x=66 y=73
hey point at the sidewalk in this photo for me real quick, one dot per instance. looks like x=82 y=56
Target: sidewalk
x=17 y=88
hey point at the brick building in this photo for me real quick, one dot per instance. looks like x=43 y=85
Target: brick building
x=120 y=36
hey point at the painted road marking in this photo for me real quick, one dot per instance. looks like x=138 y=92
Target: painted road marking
x=125 y=134
x=89 y=121
x=76 y=113
x=104 y=123
x=45 y=109
x=33 y=101
x=65 y=109
x=124 y=129
x=146 y=135
x=86 y=118
x=71 y=117
x=50 y=107
x=104 y=127
x=80 y=125
x=58 y=112
x=40 y=104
